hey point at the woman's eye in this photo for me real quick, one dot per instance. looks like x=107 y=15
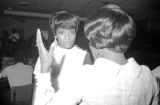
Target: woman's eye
x=60 y=32
x=73 y=32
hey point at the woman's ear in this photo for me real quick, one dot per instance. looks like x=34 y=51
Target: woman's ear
x=55 y=37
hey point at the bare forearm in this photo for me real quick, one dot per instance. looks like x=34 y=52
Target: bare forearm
x=45 y=67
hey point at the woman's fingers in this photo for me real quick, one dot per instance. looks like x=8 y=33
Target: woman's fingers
x=43 y=53
x=39 y=41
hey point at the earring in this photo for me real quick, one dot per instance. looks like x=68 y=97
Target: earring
x=98 y=52
x=55 y=36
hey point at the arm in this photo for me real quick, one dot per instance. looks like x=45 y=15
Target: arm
x=70 y=94
x=43 y=90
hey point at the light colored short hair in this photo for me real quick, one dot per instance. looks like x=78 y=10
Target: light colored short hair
x=110 y=28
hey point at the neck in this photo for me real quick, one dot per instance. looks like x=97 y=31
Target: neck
x=65 y=48
x=113 y=56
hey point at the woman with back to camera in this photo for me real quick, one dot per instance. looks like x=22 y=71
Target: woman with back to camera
x=112 y=79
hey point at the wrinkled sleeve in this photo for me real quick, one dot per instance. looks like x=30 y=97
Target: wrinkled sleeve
x=70 y=94
x=43 y=90
x=156 y=96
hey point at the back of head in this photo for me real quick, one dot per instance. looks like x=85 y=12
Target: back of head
x=110 y=28
x=5 y=34
x=65 y=20
x=19 y=56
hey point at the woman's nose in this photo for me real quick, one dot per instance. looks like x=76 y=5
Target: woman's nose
x=68 y=36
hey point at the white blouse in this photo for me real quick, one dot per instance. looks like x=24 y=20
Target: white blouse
x=108 y=83
x=44 y=92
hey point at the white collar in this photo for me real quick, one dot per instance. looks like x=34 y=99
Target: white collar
x=131 y=68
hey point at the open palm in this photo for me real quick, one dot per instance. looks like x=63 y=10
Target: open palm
x=44 y=54
x=47 y=58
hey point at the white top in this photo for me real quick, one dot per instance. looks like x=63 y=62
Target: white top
x=44 y=91
x=108 y=83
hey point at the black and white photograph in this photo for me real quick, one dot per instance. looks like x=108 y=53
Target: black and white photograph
x=79 y=52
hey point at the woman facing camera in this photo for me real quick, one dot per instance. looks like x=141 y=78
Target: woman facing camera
x=49 y=78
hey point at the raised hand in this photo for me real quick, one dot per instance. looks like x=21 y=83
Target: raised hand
x=45 y=56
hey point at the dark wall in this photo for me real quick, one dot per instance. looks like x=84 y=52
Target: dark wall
x=145 y=48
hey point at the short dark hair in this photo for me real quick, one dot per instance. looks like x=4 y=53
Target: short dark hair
x=110 y=28
x=19 y=56
x=64 y=19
